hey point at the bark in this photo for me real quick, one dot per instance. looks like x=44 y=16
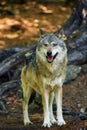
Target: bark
x=75 y=29
x=77 y=18
x=77 y=49
x=9 y=52
x=13 y=60
x=5 y=87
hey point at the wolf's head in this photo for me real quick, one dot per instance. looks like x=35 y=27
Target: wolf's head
x=50 y=48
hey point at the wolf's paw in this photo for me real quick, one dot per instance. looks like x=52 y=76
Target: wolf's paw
x=53 y=120
x=28 y=122
x=47 y=124
x=61 y=122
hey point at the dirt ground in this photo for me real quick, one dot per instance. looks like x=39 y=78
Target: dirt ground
x=20 y=27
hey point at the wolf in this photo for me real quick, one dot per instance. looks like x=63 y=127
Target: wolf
x=45 y=73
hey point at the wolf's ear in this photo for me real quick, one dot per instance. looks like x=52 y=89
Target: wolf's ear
x=60 y=34
x=42 y=34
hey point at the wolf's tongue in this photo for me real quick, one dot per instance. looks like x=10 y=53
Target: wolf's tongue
x=50 y=59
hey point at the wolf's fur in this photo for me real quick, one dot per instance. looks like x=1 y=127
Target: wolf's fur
x=46 y=74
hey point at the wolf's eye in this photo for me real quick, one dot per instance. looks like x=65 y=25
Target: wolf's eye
x=54 y=44
x=45 y=45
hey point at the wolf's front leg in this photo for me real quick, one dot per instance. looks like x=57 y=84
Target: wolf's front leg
x=58 y=97
x=45 y=101
x=51 y=99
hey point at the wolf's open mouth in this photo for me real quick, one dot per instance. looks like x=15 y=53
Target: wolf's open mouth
x=51 y=58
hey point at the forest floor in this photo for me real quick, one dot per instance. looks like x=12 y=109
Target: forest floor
x=19 y=26
x=74 y=99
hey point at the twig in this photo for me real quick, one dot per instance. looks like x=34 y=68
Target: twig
x=3 y=109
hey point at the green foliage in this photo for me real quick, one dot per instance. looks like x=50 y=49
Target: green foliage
x=20 y=92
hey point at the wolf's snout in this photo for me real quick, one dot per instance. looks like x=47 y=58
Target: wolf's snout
x=49 y=53
x=49 y=56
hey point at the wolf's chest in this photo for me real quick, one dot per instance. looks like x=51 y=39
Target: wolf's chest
x=52 y=84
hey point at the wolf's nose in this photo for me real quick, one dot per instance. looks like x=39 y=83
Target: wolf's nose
x=49 y=53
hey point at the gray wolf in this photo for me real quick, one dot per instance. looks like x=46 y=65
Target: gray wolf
x=45 y=74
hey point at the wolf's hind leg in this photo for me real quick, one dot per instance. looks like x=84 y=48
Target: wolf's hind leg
x=27 y=91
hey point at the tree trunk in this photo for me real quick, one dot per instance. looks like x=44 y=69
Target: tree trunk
x=75 y=30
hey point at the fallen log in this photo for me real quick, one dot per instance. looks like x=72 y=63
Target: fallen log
x=9 y=85
x=14 y=59
x=9 y=52
x=77 y=49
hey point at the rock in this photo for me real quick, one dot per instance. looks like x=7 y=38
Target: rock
x=72 y=72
